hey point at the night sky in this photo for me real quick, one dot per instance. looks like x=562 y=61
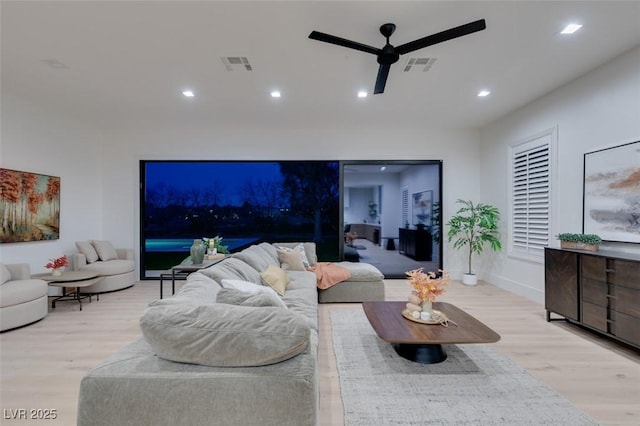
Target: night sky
x=188 y=174
x=184 y=175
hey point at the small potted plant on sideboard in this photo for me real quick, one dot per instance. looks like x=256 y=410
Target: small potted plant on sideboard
x=589 y=242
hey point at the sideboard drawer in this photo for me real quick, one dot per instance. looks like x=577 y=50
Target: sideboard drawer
x=594 y=316
x=628 y=328
x=594 y=292
x=628 y=301
x=626 y=274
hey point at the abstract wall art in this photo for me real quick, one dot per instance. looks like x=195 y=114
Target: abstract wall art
x=29 y=206
x=612 y=193
x=422 y=207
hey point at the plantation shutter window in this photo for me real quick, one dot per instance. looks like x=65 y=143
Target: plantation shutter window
x=530 y=196
x=405 y=206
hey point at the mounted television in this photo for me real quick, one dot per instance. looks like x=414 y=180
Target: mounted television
x=244 y=202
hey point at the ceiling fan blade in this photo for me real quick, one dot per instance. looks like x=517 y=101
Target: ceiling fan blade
x=328 y=38
x=449 y=34
x=381 y=80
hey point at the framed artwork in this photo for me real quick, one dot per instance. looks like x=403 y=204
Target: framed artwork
x=611 y=198
x=29 y=206
x=422 y=207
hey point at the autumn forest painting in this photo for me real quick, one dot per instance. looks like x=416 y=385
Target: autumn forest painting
x=29 y=206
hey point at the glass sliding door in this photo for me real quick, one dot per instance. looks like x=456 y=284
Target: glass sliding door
x=391 y=214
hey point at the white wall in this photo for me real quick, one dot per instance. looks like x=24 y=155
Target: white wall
x=600 y=109
x=100 y=171
x=268 y=141
x=48 y=142
x=388 y=208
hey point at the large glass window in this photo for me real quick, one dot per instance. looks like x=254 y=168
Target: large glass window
x=243 y=202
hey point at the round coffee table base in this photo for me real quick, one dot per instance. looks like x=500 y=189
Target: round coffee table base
x=424 y=354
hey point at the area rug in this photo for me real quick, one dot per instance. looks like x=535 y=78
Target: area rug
x=476 y=385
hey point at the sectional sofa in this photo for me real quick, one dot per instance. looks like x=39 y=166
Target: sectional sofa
x=236 y=346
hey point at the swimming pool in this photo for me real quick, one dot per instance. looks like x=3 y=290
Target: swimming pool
x=184 y=244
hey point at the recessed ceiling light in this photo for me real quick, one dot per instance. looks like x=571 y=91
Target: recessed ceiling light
x=483 y=93
x=383 y=168
x=188 y=93
x=275 y=94
x=362 y=94
x=571 y=28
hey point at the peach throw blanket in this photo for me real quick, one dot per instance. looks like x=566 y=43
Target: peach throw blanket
x=329 y=274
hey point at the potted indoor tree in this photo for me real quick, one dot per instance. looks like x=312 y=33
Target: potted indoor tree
x=474 y=225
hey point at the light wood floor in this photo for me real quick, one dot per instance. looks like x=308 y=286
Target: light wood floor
x=42 y=364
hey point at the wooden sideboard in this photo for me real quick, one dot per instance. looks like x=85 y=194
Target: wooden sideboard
x=367 y=231
x=415 y=243
x=598 y=290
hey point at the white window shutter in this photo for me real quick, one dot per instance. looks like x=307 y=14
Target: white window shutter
x=405 y=206
x=530 y=202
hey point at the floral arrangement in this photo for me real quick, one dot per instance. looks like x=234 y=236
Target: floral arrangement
x=428 y=285
x=57 y=263
x=215 y=245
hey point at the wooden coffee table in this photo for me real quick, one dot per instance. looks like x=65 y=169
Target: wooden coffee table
x=423 y=342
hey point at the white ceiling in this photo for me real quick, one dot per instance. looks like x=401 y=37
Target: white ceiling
x=127 y=62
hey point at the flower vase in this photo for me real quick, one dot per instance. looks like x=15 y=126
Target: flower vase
x=56 y=272
x=197 y=252
x=427 y=307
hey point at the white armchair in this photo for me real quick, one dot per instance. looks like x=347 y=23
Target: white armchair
x=22 y=300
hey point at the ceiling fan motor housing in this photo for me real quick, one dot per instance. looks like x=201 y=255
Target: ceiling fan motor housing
x=388 y=56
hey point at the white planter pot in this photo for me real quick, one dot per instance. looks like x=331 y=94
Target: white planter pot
x=469 y=279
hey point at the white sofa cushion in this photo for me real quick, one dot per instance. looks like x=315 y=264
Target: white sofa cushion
x=232 y=268
x=258 y=257
x=249 y=287
x=105 y=250
x=86 y=248
x=5 y=274
x=111 y=267
x=221 y=335
x=231 y=296
x=362 y=272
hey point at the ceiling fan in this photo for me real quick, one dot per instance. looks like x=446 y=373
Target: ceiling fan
x=389 y=54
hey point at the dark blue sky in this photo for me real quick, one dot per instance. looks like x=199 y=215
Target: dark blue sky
x=190 y=174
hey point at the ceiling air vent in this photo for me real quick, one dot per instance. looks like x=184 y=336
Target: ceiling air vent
x=419 y=63
x=232 y=62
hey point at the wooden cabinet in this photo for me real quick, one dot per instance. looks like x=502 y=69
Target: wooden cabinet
x=561 y=283
x=415 y=243
x=366 y=231
x=599 y=290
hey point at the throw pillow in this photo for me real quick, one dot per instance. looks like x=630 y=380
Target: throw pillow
x=276 y=278
x=231 y=296
x=303 y=254
x=222 y=335
x=105 y=250
x=87 y=249
x=291 y=260
x=5 y=274
x=249 y=287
